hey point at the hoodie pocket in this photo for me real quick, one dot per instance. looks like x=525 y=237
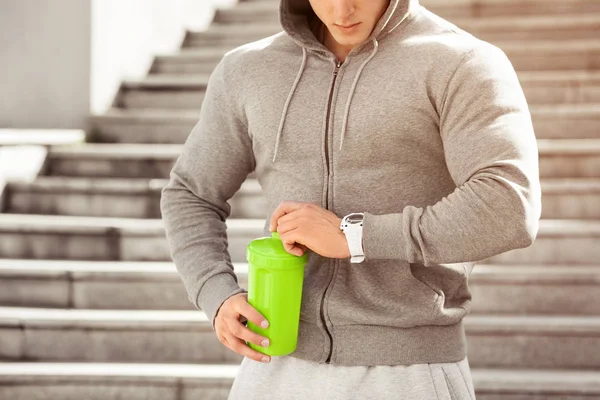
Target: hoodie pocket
x=380 y=292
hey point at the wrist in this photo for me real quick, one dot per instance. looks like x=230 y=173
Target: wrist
x=351 y=225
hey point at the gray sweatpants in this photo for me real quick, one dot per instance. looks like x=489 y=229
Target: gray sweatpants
x=288 y=377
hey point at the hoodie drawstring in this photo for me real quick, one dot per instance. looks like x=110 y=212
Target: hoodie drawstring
x=376 y=46
x=287 y=102
x=347 y=110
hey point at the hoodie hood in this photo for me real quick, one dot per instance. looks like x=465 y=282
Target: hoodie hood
x=300 y=22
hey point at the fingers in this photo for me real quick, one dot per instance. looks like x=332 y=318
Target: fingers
x=246 y=310
x=291 y=244
x=231 y=331
x=302 y=247
x=294 y=249
x=239 y=330
x=234 y=335
x=240 y=347
x=284 y=207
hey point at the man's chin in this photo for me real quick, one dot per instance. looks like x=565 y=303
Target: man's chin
x=347 y=41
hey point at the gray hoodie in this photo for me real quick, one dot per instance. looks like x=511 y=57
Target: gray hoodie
x=424 y=128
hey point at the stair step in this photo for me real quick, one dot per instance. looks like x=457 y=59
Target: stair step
x=166 y=92
x=571 y=121
x=185 y=82
x=572 y=198
x=567 y=158
x=489 y=8
x=498 y=289
x=535 y=289
x=198 y=61
x=40 y=137
x=558 y=242
x=97 y=284
x=116 y=381
x=187 y=92
x=524 y=341
x=113 y=197
x=267 y=11
x=151 y=126
x=528 y=384
x=187 y=336
x=516 y=27
x=110 y=335
x=94 y=238
x=118 y=161
x=533 y=55
x=97 y=197
x=559 y=158
x=561 y=87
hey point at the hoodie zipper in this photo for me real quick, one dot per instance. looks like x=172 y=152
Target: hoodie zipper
x=335 y=73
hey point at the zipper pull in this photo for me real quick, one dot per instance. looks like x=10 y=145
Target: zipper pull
x=337 y=67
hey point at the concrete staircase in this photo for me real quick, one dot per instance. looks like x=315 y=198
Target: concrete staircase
x=92 y=308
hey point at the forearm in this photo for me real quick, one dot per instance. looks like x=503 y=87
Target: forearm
x=196 y=233
x=484 y=217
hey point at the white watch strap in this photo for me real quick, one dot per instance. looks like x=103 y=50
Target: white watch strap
x=354 y=238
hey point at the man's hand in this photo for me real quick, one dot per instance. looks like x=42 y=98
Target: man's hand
x=234 y=334
x=305 y=225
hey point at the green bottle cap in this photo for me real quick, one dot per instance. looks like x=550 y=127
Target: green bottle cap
x=269 y=251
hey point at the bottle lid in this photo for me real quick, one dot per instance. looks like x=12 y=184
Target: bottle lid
x=269 y=251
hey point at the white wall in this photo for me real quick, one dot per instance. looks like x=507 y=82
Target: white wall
x=127 y=34
x=62 y=59
x=45 y=63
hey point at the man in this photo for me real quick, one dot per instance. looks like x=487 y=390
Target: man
x=395 y=149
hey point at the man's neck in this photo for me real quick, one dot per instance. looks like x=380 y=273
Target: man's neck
x=327 y=40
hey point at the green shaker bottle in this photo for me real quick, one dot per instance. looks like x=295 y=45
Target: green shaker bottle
x=275 y=279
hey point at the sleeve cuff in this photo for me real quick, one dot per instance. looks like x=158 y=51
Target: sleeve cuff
x=383 y=236
x=214 y=292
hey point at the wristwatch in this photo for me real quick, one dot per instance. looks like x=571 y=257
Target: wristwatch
x=352 y=225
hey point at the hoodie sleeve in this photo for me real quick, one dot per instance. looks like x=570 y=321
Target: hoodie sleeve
x=491 y=153
x=215 y=160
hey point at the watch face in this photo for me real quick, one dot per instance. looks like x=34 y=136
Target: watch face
x=355 y=218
